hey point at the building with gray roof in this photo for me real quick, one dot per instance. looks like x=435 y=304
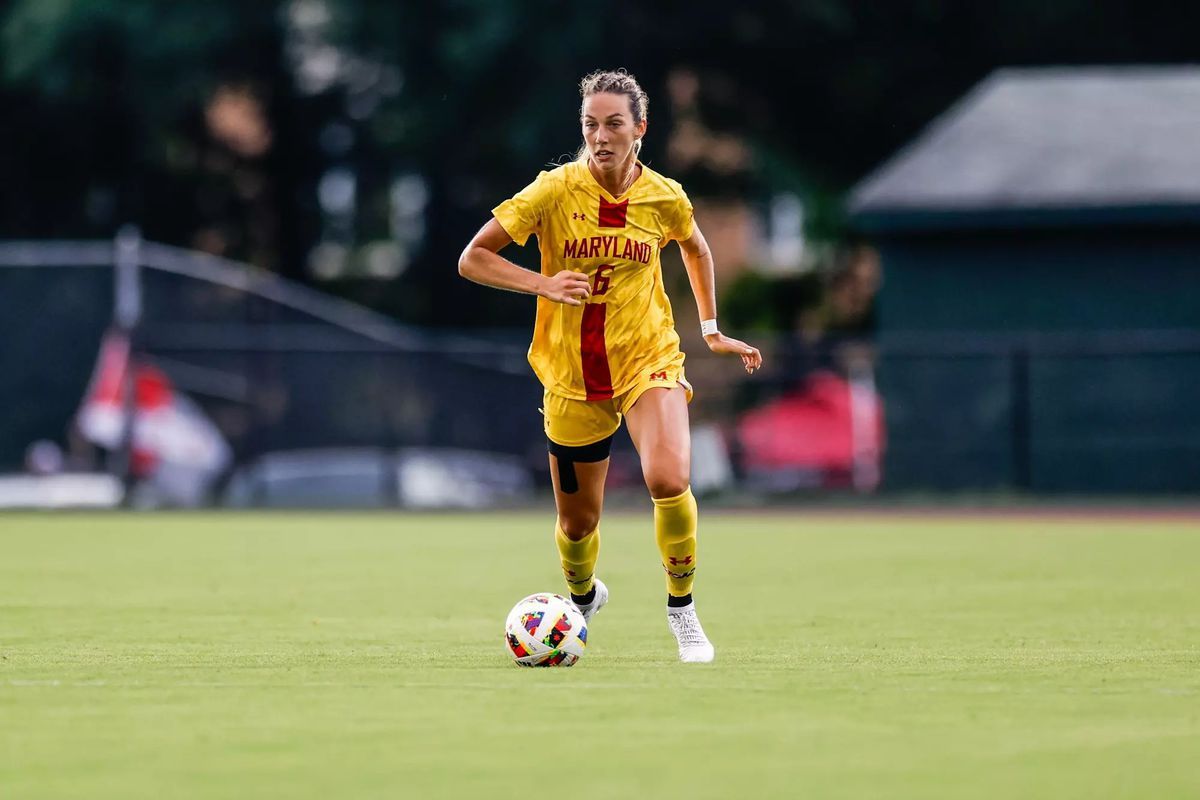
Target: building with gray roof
x=1043 y=236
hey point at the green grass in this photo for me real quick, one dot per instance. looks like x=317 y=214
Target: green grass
x=325 y=655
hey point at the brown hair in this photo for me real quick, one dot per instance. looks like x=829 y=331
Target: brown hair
x=615 y=82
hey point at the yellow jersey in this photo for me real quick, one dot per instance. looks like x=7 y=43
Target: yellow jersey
x=600 y=349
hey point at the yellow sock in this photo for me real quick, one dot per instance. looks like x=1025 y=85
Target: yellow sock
x=578 y=559
x=675 y=532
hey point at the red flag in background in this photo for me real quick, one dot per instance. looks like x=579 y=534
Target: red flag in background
x=101 y=418
x=169 y=430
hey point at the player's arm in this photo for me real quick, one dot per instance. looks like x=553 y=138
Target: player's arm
x=698 y=260
x=481 y=262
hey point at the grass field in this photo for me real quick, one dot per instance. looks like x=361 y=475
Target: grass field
x=325 y=655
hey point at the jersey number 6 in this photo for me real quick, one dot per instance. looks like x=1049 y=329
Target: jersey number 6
x=600 y=282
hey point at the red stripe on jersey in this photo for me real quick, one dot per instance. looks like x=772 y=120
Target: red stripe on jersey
x=612 y=215
x=597 y=380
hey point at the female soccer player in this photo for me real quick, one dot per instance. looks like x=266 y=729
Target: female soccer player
x=604 y=342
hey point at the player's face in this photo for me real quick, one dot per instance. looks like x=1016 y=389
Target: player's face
x=609 y=130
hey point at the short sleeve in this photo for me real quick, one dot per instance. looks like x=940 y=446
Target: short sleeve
x=524 y=212
x=680 y=220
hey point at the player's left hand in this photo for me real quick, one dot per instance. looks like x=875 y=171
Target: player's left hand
x=720 y=343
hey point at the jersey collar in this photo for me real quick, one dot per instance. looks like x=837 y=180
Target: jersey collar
x=636 y=181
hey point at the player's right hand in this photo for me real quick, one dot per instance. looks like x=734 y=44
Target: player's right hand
x=569 y=288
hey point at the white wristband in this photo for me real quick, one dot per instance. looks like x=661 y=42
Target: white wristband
x=708 y=327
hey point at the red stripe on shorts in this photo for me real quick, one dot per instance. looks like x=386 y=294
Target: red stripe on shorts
x=613 y=215
x=597 y=380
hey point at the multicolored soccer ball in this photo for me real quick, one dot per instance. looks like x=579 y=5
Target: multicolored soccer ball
x=545 y=630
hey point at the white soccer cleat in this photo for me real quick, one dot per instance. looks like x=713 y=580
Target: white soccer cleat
x=694 y=646
x=597 y=603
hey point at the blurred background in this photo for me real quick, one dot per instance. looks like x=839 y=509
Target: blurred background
x=966 y=236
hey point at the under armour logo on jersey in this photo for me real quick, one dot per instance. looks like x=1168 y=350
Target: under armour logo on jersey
x=659 y=376
x=575 y=215
x=685 y=560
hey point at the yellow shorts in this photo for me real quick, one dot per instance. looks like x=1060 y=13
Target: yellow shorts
x=575 y=423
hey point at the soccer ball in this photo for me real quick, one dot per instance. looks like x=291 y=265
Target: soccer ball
x=545 y=630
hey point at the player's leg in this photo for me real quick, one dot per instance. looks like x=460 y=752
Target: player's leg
x=577 y=473
x=658 y=425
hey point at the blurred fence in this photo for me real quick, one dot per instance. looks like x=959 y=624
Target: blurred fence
x=282 y=368
x=1047 y=413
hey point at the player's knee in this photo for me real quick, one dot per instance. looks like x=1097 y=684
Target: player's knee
x=578 y=524
x=668 y=482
